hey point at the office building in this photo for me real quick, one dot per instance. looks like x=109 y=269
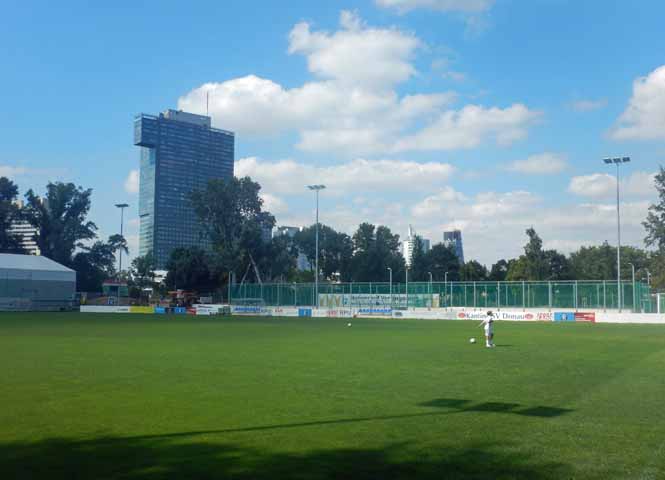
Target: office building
x=180 y=152
x=454 y=239
x=409 y=244
x=25 y=233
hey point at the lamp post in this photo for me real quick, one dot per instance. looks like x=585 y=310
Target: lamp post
x=390 y=271
x=648 y=278
x=445 y=287
x=122 y=207
x=317 y=188
x=618 y=161
x=632 y=266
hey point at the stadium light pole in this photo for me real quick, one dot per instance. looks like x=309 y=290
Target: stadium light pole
x=317 y=189
x=618 y=161
x=430 y=282
x=648 y=278
x=445 y=287
x=122 y=207
x=390 y=271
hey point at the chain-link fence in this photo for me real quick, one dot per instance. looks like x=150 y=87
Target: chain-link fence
x=562 y=294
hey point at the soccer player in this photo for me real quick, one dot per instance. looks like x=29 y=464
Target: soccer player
x=489 y=330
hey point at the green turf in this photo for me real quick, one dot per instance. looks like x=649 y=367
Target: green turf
x=147 y=397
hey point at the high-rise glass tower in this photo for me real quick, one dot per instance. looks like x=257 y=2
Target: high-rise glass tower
x=454 y=239
x=180 y=152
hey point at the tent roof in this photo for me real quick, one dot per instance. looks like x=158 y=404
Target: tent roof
x=30 y=262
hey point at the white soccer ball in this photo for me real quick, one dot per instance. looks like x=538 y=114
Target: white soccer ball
x=472 y=340
x=348 y=324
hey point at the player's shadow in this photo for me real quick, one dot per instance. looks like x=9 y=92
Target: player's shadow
x=462 y=405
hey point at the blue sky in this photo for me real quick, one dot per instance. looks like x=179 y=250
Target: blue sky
x=489 y=116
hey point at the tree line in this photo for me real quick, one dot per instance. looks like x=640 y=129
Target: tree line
x=234 y=221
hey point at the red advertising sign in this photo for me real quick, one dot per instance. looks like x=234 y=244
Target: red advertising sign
x=585 y=317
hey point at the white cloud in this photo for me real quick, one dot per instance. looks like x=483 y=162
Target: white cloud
x=471 y=126
x=603 y=185
x=493 y=223
x=132 y=182
x=454 y=76
x=588 y=105
x=356 y=54
x=290 y=177
x=594 y=185
x=464 y=6
x=273 y=203
x=435 y=205
x=352 y=107
x=10 y=171
x=541 y=164
x=644 y=118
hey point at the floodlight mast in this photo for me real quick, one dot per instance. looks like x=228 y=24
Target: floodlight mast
x=122 y=207
x=618 y=161
x=317 y=188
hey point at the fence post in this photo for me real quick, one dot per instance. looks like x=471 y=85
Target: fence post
x=604 y=296
x=575 y=290
x=474 y=295
x=498 y=295
x=549 y=293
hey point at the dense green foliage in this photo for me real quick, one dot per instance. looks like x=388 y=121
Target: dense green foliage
x=61 y=219
x=96 y=263
x=154 y=397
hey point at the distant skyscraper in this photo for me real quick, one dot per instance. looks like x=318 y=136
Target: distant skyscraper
x=180 y=152
x=409 y=244
x=25 y=233
x=454 y=239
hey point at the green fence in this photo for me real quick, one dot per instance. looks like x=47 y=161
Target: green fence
x=559 y=295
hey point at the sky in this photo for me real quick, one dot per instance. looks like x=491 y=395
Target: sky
x=490 y=116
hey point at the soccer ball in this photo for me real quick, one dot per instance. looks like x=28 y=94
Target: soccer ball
x=472 y=340
x=348 y=324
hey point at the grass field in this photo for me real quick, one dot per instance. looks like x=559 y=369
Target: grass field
x=148 y=397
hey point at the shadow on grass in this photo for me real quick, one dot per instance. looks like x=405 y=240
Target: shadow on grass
x=462 y=405
x=163 y=458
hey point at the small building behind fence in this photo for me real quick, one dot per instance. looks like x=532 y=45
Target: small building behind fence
x=31 y=282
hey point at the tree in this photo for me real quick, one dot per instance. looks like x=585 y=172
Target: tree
x=473 y=271
x=232 y=216
x=538 y=264
x=9 y=213
x=143 y=270
x=600 y=262
x=188 y=269
x=96 y=263
x=557 y=266
x=441 y=259
x=655 y=221
x=335 y=249
x=499 y=271
x=375 y=249
x=594 y=262
x=60 y=220
x=280 y=259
